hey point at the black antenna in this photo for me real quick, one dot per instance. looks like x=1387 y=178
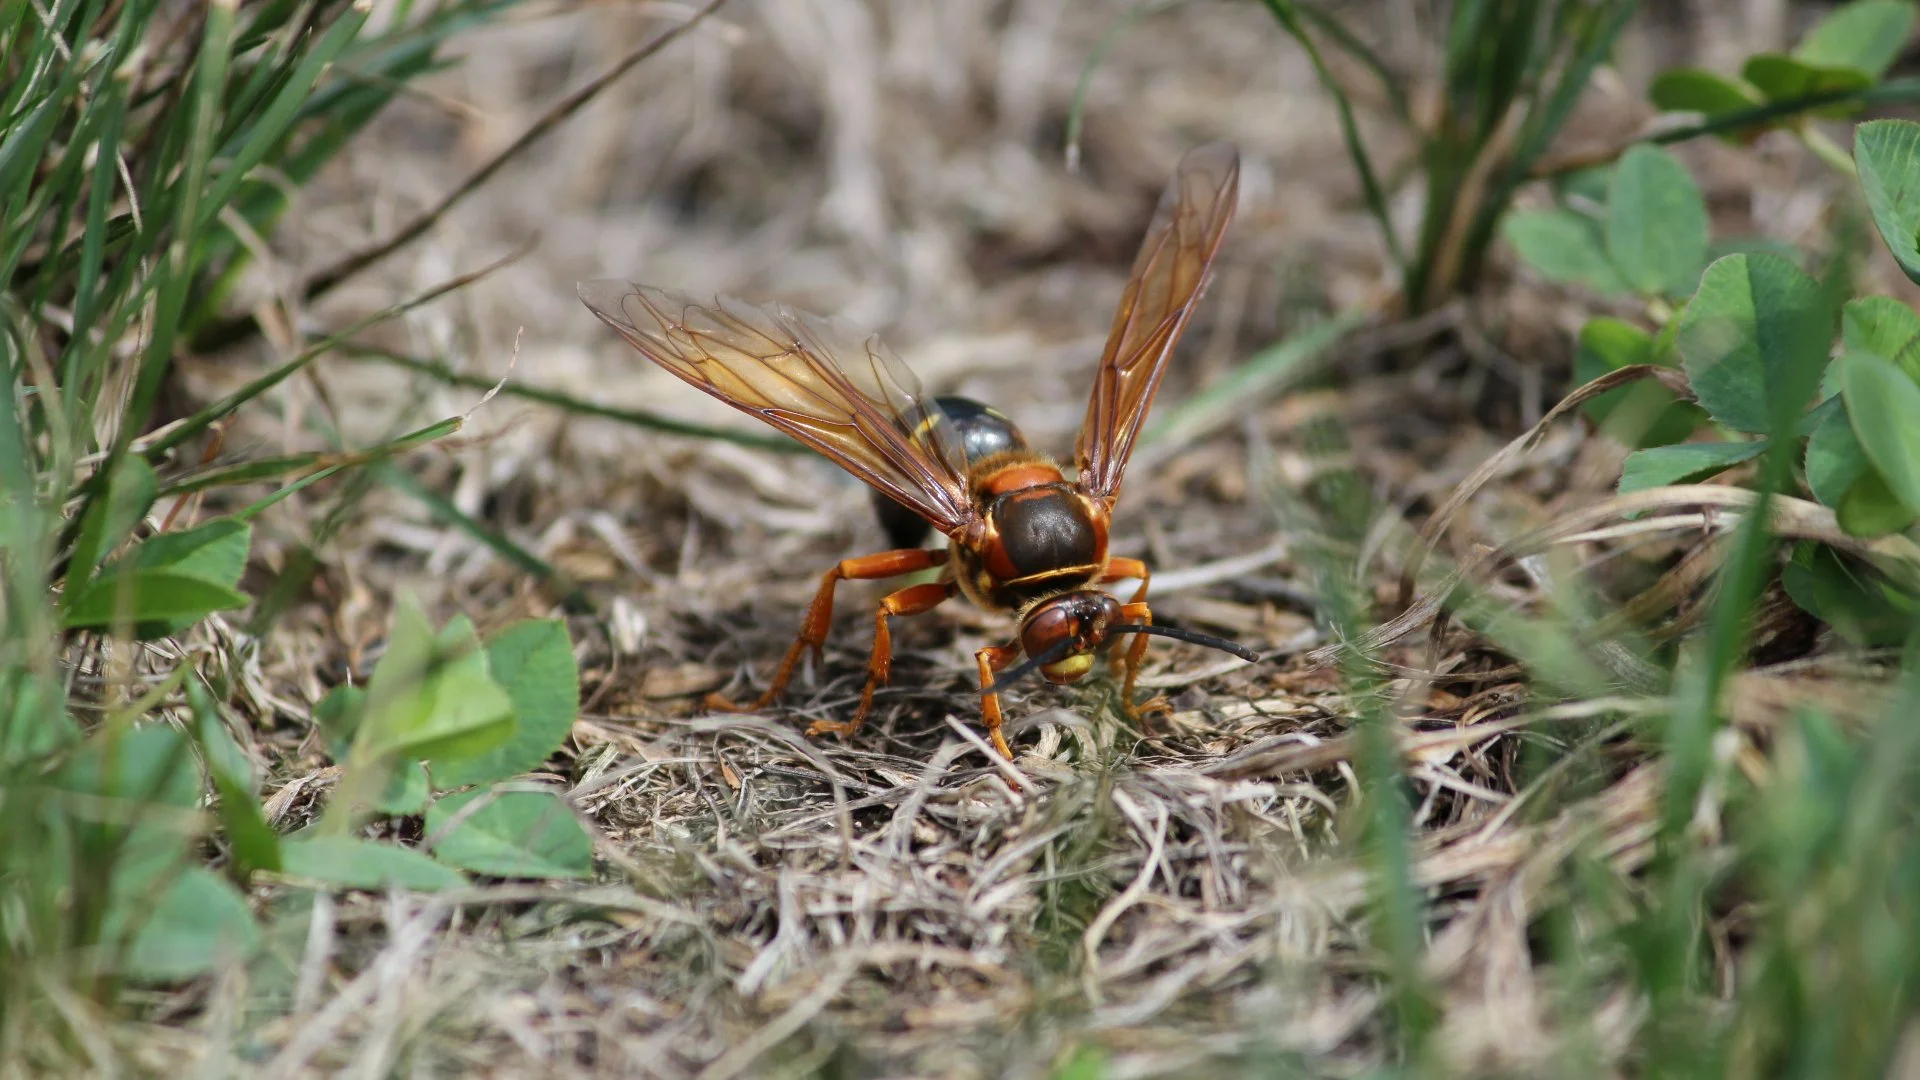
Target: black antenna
x=1060 y=649
x=1190 y=636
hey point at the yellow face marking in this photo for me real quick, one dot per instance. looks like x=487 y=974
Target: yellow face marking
x=1068 y=669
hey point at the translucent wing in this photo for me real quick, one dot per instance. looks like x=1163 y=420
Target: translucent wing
x=1168 y=277
x=818 y=380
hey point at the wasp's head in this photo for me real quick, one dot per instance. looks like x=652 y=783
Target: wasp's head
x=1062 y=632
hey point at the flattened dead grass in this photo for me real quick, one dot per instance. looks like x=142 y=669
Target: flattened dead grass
x=1190 y=898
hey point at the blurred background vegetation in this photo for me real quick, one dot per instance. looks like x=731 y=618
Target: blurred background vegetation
x=1549 y=425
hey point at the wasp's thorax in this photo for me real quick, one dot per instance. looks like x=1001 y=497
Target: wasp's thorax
x=1037 y=536
x=1081 y=617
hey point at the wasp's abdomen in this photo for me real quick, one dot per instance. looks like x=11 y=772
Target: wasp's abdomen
x=983 y=430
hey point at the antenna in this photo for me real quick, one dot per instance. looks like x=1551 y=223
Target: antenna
x=1061 y=648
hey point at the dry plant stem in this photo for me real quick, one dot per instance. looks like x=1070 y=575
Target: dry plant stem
x=1466 y=202
x=1895 y=555
x=1497 y=464
x=320 y=283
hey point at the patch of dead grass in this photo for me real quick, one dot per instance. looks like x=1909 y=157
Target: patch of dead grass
x=900 y=904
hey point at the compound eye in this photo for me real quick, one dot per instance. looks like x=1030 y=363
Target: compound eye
x=1048 y=627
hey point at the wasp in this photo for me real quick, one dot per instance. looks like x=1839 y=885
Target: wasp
x=1021 y=537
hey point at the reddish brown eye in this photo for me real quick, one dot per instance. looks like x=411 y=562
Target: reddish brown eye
x=1049 y=625
x=1079 y=617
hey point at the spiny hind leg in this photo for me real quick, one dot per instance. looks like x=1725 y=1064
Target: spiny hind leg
x=813 y=632
x=912 y=600
x=991 y=659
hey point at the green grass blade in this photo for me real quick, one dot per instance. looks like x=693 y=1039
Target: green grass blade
x=1544 y=120
x=1257 y=379
x=1287 y=14
x=639 y=418
x=1077 y=109
x=272 y=125
x=526 y=561
x=329 y=461
x=1337 y=32
x=210 y=80
x=203 y=419
x=113 y=107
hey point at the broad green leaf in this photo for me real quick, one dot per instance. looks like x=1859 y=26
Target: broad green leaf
x=533 y=661
x=1562 y=246
x=110 y=518
x=1752 y=327
x=255 y=845
x=149 y=764
x=1704 y=92
x=1865 y=35
x=1887 y=153
x=1684 y=463
x=1859 y=607
x=196 y=923
x=1870 y=508
x=1656 y=224
x=516 y=834
x=153 y=599
x=215 y=551
x=338 y=717
x=1883 y=404
x=431 y=696
x=1590 y=184
x=407 y=790
x=363 y=864
x=1783 y=78
x=1644 y=414
x=33 y=717
x=1608 y=344
x=1880 y=325
x=1755 y=245
x=145 y=787
x=1835 y=460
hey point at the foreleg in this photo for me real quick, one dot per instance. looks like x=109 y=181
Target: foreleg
x=991 y=659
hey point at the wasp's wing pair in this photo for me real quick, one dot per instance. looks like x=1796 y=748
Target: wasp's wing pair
x=850 y=398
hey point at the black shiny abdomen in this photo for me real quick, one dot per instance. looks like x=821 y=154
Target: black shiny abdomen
x=1044 y=529
x=983 y=432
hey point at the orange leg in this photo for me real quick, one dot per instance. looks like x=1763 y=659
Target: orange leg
x=991 y=659
x=1122 y=570
x=912 y=600
x=1137 y=612
x=813 y=632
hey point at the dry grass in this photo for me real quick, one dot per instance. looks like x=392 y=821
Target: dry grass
x=1189 y=899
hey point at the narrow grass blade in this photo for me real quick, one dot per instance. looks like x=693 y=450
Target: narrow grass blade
x=640 y=418
x=527 y=561
x=1256 y=380
x=329 y=462
x=1287 y=14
